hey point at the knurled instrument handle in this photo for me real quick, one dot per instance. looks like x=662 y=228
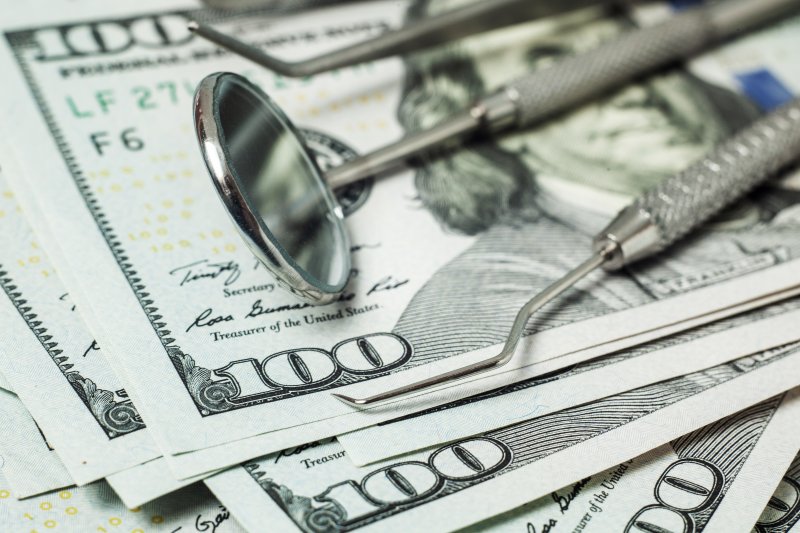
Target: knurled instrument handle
x=679 y=204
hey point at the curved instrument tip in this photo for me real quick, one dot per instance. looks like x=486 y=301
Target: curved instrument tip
x=353 y=402
x=193 y=25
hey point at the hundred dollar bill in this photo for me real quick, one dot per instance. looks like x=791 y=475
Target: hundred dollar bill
x=782 y=513
x=27 y=460
x=96 y=508
x=707 y=346
x=717 y=478
x=56 y=366
x=771 y=327
x=316 y=488
x=203 y=338
x=712 y=345
x=688 y=352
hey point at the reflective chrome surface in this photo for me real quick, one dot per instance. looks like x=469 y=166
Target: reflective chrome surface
x=272 y=188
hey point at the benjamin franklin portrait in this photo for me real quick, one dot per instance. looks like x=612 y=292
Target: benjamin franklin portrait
x=535 y=198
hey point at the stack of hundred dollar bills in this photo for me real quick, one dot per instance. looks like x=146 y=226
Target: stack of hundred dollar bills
x=149 y=363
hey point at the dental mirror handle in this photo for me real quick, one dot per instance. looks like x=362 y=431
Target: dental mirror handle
x=579 y=78
x=574 y=80
x=654 y=221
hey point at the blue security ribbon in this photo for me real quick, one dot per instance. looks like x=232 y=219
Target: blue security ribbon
x=764 y=88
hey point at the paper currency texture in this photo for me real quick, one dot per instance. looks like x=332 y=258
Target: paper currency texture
x=56 y=365
x=202 y=336
x=454 y=485
x=28 y=462
x=717 y=478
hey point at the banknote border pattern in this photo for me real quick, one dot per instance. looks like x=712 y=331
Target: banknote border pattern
x=115 y=418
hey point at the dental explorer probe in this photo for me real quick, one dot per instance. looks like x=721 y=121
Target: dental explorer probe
x=655 y=220
x=538 y=96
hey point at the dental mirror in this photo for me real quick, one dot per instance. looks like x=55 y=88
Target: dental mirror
x=272 y=187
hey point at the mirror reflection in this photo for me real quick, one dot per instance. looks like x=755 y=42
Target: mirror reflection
x=281 y=182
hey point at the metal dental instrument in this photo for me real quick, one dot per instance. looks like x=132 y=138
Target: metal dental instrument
x=655 y=220
x=477 y=17
x=282 y=202
x=535 y=97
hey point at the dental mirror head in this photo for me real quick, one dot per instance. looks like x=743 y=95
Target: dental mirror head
x=272 y=187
